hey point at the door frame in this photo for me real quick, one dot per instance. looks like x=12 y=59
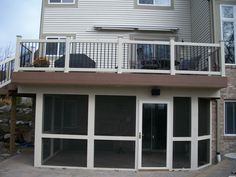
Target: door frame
x=168 y=138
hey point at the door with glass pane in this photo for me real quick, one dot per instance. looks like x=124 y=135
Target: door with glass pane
x=153 y=136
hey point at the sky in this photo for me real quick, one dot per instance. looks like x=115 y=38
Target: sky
x=19 y=17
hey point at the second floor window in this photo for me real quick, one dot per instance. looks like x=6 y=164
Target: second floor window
x=61 y=1
x=155 y=2
x=228 y=28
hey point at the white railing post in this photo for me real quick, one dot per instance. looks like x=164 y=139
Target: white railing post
x=222 y=58
x=209 y=60
x=67 y=55
x=33 y=54
x=172 y=56
x=120 y=54
x=17 y=53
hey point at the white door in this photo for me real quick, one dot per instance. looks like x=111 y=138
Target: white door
x=153 y=135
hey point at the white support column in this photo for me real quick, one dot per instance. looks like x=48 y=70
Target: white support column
x=170 y=135
x=90 y=144
x=38 y=130
x=222 y=58
x=120 y=54
x=172 y=56
x=17 y=54
x=67 y=55
x=33 y=54
x=209 y=60
x=194 y=143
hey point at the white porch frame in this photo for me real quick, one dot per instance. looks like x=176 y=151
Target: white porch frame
x=90 y=137
x=168 y=144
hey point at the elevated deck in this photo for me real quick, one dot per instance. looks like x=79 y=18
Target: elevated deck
x=115 y=62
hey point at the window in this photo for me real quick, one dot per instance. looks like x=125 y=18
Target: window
x=55 y=48
x=61 y=1
x=65 y=114
x=228 y=28
x=155 y=2
x=230 y=117
x=182 y=117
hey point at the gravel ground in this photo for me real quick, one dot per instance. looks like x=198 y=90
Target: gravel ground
x=21 y=165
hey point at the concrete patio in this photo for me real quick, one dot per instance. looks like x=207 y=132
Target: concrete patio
x=21 y=165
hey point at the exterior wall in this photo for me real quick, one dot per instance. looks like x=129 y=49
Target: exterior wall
x=201 y=21
x=226 y=144
x=80 y=21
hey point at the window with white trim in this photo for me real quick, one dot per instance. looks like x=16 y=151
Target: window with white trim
x=61 y=1
x=230 y=117
x=55 y=48
x=228 y=31
x=154 y=2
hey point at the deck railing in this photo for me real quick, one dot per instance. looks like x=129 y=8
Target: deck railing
x=6 y=69
x=121 y=55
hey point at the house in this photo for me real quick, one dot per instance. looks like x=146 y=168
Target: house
x=125 y=84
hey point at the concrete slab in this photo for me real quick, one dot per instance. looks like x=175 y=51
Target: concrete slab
x=21 y=165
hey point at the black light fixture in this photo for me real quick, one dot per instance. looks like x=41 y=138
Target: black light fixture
x=155 y=92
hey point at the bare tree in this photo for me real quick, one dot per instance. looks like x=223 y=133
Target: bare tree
x=6 y=52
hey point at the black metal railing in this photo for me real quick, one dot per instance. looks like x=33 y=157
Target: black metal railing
x=146 y=56
x=197 y=58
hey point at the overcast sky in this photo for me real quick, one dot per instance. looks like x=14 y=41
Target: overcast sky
x=19 y=17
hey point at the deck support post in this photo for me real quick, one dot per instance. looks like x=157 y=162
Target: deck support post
x=172 y=56
x=222 y=56
x=17 y=54
x=120 y=54
x=67 y=56
x=13 y=124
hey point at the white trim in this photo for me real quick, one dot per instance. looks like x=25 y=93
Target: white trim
x=141 y=102
x=115 y=138
x=197 y=44
x=204 y=137
x=38 y=130
x=64 y=136
x=49 y=2
x=194 y=133
x=182 y=139
x=52 y=69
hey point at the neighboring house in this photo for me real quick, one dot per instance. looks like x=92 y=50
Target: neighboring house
x=225 y=29
x=127 y=84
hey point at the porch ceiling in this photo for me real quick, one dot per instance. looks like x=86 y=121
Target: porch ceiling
x=113 y=79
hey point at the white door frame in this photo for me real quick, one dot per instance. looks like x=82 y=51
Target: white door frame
x=168 y=154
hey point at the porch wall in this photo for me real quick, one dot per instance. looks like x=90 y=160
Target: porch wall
x=142 y=94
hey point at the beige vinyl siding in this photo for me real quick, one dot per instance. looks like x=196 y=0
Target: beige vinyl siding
x=115 y=12
x=201 y=21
